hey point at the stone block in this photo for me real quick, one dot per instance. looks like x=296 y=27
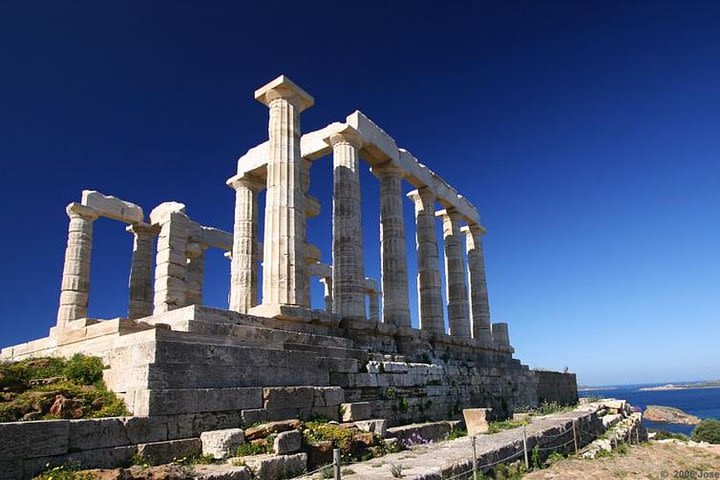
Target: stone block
x=94 y=433
x=146 y=429
x=434 y=431
x=287 y=442
x=112 y=207
x=222 y=443
x=11 y=469
x=377 y=426
x=267 y=467
x=355 y=411
x=221 y=472
x=253 y=416
x=285 y=398
x=329 y=396
x=165 y=452
x=476 y=420
x=394 y=367
x=262 y=431
x=34 y=439
x=194 y=400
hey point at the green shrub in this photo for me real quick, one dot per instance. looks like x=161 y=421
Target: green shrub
x=495 y=427
x=665 y=435
x=247 y=449
x=707 y=431
x=83 y=369
x=64 y=472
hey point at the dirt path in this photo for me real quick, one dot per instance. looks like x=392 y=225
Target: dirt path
x=653 y=460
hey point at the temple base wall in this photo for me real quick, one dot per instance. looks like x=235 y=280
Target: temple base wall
x=202 y=360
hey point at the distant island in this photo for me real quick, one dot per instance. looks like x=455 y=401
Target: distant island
x=585 y=388
x=657 y=413
x=682 y=386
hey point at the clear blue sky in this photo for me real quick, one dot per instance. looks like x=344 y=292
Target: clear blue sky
x=587 y=133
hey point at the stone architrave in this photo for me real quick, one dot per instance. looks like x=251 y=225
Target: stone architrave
x=284 y=276
x=245 y=253
x=393 y=252
x=195 y=274
x=75 y=289
x=347 y=246
x=455 y=275
x=479 y=304
x=171 y=257
x=428 y=277
x=141 y=272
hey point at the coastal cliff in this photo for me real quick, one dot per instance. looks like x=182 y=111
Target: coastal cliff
x=657 y=413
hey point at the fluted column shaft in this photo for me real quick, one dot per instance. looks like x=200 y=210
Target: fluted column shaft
x=393 y=252
x=428 y=277
x=373 y=306
x=283 y=256
x=245 y=253
x=195 y=276
x=479 y=304
x=327 y=293
x=455 y=275
x=141 y=273
x=171 y=262
x=75 y=288
x=347 y=246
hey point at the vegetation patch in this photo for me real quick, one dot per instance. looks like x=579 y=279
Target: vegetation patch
x=495 y=427
x=707 y=431
x=49 y=388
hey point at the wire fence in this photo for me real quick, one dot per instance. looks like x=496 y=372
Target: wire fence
x=577 y=437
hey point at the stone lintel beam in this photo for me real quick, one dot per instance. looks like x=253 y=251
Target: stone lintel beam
x=321 y=270
x=112 y=207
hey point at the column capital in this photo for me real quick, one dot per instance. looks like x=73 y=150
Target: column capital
x=474 y=230
x=423 y=196
x=449 y=214
x=388 y=169
x=346 y=135
x=195 y=249
x=283 y=87
x=141 y=229
x=77 y=210
x=246 y=180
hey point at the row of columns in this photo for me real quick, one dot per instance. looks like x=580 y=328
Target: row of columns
x=284 y=278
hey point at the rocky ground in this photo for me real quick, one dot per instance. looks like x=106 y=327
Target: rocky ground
x=652 y=460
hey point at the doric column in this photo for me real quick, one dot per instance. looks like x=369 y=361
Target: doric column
x=500 y=335
x=171 y=257
x=373 y=306
x=479 y=305
x=347 y=246
x=195 y=275
x=244 y=263
x=455 y=276
x=428 y=276
x=393 y=254
x=141 y=272
x=75 y=286
x=327 y=286
x=284 y=276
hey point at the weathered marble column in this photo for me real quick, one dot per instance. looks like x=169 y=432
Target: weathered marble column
x=428 y=276
x=284 y=276
x=347 y=246
x=244 y=263
x=374 y=306
x=141 y=272
x=327 y=285
x=455 y=275
x=393 y=252
x=75 y=288
x=195 y=275
x=500 y=335
x=479 y=304
x=171 y=257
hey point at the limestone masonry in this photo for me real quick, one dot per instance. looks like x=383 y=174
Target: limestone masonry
x=270 y=356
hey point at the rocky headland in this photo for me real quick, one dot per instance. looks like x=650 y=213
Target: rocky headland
x=657 y=413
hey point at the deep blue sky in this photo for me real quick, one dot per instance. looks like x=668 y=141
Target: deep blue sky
x=587 y=133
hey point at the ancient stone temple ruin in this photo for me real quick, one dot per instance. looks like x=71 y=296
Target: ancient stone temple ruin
x=269 y=355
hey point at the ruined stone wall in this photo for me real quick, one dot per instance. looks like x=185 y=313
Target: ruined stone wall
x=556 y=387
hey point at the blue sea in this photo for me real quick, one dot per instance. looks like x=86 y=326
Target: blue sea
x=703 y=403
